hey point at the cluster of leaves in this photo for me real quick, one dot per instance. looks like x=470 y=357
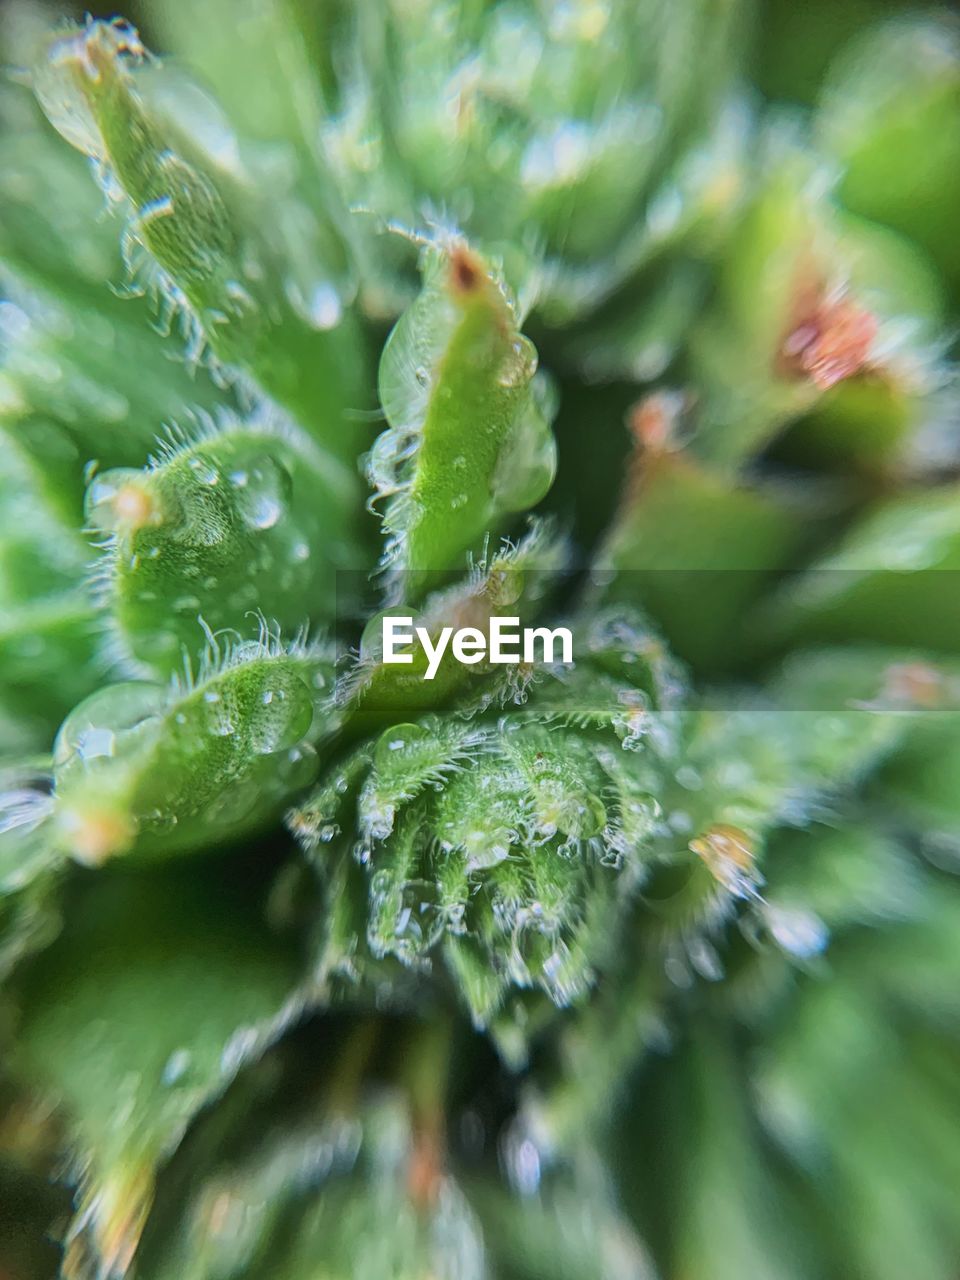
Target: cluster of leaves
x=313 y=966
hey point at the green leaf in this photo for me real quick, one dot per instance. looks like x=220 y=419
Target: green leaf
x=211 y=246
x=889 y=111
x=507 y=845
x=695 y=548
x=156 y=770
x=469 y=440
x=160 y=988
x=807 y=300
x=29 y=863
x=887 y=582
x=517 y=577
x=48 y=654
x=246 y=516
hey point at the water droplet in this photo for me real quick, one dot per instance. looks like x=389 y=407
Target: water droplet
x=580 y=816
x=94 y=742
x=689 y=778
x=664 y=212
x=504 y=586
x=121 y=500
x=485 y=848
x=57 y=81
x=324 y=308
x=519 y=364
x=285 y=715
x=265 y=493
x=522 y=1159
x=176 y=1067
x=371 y=641
x=395 y=743
x=231 y=807
x=204 y=470
x=527 y=464
x=321 y=307
x=377 y=815
x=797 y=930
x=238 y=1049
x=404 y=918
x=678 y=972
x=220 y=719
x=705 y=959
x=559 y=157
x=298 y=767
x=96 y=728
x=565 y=977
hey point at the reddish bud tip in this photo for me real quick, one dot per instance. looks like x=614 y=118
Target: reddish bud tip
x=466 y=270
x=829 y=340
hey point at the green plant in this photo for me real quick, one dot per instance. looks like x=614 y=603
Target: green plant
x=640 y=965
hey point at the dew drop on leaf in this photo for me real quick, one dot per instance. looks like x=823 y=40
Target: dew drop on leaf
x=62 y=96
x=371 y=641
x=96 y=727
x=176 y=1067
x=520 y=363
x=204 y=470
x=120 y=500
x=265 y=493
x=797 y=930
x=220 y=719
x=282 y=719
x=526 y=466
x=298 y=767
x=395 y=742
